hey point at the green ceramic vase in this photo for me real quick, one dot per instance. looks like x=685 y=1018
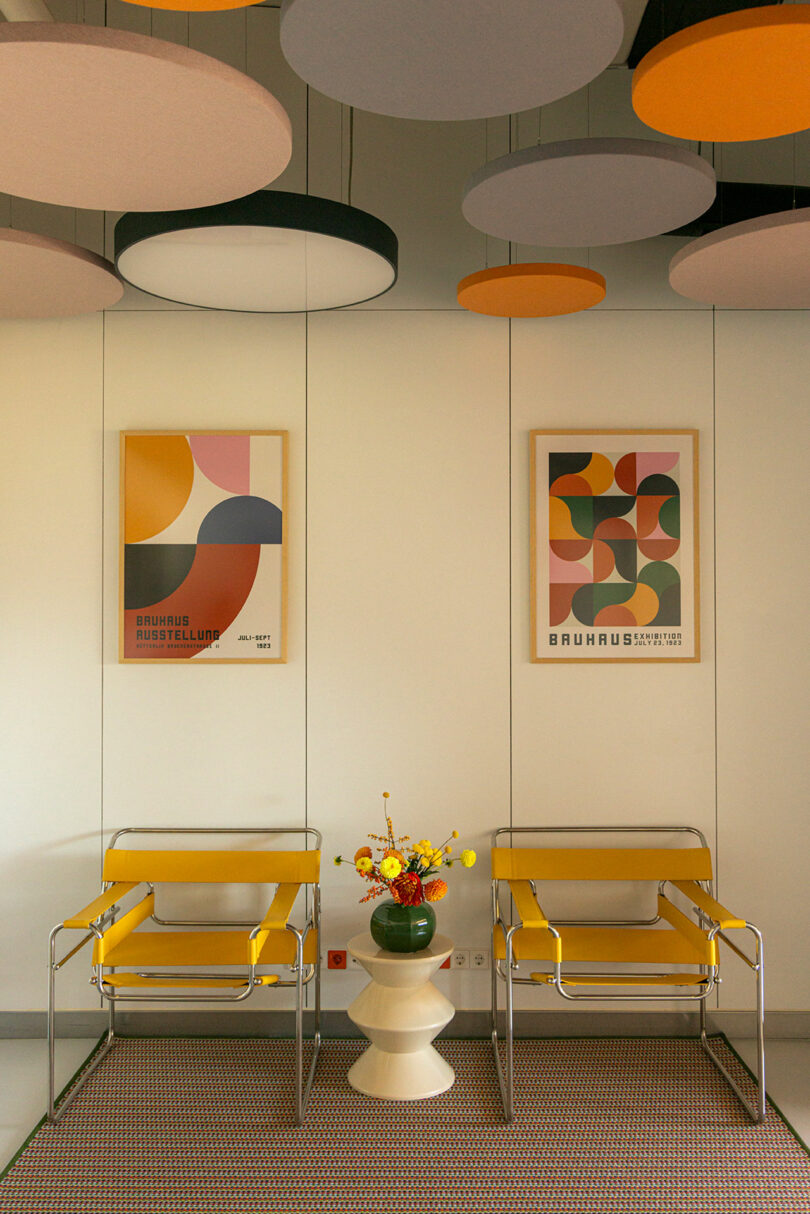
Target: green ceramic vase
x=403 y=929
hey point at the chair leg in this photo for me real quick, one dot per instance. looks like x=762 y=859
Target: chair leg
x=510 y=1036
x=55 y=1113
x=757 y=1111
x=505 y=1075
x=494 y=1031
x=304 y=1088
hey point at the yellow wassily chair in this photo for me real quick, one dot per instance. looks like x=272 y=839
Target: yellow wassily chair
x=675 y=952
x=215 y=961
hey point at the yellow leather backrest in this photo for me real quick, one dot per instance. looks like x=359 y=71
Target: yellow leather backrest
x=602 y=863
x=228 y=867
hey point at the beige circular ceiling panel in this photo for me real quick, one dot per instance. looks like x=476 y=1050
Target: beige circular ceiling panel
x=41 y=277
x=760 y=263
x=449 y=59
x=110 y=120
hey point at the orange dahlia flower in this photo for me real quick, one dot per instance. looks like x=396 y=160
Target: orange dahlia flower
x=434 y=890
x=362 y=851
x=407 y=890
x=392 y=851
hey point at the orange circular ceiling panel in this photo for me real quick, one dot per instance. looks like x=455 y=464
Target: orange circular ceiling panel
x=41 y=277
x=531 y=289
x=114 y=121
x=195 y=6
x=736 y=77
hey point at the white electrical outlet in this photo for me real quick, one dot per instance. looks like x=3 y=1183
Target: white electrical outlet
x=479 y=959
x=354 y=963
x=460 y=959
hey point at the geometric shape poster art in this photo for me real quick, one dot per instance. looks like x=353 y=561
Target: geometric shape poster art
x=203 y=566
x=614 y=517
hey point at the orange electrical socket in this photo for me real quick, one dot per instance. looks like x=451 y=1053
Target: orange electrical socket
x=336 y=959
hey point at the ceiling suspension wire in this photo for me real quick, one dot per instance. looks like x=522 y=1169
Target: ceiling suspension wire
x=351 y=154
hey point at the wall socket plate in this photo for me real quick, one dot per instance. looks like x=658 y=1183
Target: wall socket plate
x=479 y=959
x=460 y=959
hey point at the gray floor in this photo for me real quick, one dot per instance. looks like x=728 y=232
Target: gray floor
x=23 y=1091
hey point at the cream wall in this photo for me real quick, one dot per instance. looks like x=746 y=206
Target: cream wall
x=408 y=663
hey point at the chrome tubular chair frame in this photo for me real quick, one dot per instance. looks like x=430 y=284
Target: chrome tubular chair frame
x=303 y=974
x=503 y=970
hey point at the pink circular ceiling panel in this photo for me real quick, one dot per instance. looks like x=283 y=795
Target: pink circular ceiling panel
x=760 y=263
x=110 y=120
x=41 y=277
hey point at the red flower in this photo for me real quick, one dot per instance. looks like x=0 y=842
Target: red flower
x=407 y=890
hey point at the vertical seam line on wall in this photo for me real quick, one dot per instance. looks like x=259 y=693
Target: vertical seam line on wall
x=714 y=608
x=308 y=909
x=306 y=507
x=511 y=571
x=103 y=575
x=511 y=560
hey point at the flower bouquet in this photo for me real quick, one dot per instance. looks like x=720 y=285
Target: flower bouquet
x=409 y=873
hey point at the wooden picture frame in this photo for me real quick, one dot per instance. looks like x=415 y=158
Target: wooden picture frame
x=614 y=546
x=203 y=546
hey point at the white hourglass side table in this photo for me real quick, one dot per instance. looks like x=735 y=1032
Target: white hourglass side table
x=401 y=1011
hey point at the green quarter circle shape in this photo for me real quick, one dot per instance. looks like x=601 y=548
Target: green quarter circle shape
x=659 y=576
x=565 y=463
x=669 y=516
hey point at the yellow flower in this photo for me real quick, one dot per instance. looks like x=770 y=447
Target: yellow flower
x=364 y=865
x=454 y=835
x=362 y=851
x=338 y=860
x=448 y=850
x=390 y=868
x=386 y=795
x=468 y=857
x=436 y=858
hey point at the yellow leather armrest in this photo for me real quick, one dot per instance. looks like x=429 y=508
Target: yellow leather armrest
x=279 y=910
x=99 y=905
x=277 y=915
x=716 y=912
x=527 y=905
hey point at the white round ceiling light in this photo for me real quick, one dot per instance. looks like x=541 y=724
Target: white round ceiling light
x=273 y=251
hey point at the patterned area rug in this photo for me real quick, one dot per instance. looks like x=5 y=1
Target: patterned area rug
x=603 y=1125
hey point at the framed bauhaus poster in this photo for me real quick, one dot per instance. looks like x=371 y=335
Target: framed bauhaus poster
x=614 y=559
x=203 y=564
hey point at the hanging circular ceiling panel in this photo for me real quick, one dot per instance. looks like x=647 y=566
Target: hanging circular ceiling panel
x=736 y=77
x=760 y=263
x=109 y=120
x=41 y=277
x=449 y=59
x=195 y=6
x=589 y=192
x=273 y=251
x=531 y=289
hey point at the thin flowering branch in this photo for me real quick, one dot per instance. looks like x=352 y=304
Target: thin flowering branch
x=405 y=877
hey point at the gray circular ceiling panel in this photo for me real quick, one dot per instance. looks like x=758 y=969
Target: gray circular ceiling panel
x=449 y=59
x=589 y=192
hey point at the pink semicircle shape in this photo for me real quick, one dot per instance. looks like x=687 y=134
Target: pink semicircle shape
x=224 y=459
x=649 y=463
x=567 y=571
